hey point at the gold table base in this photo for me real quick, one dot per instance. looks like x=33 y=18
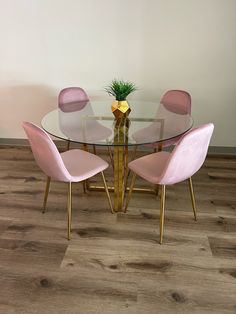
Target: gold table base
x=93 y=187
x=120 y=160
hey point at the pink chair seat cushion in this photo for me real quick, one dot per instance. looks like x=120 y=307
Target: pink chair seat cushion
x=82 y=165
x=150 y=167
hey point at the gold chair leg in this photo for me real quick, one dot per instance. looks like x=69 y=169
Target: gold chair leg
x=157 y=189
x=130 y=192
x=94 y=150
x=69 y=205
x=85 y=182
x=192 y=197
x=134 y=153
x=84 y=187
x=111 y=156
x=68 y=145
x=107 y=192
x=162 y=211
x=157 y=149
x=46 y=194
x=128 y=174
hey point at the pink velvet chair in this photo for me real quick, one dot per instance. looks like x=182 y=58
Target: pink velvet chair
x=164 y=168
x=172 y=103
x=176 y=101
x=75 y=100
x=71 y=166
x=72 y=99
x=70 y=95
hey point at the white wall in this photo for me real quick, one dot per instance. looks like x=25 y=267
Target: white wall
x=158 y=44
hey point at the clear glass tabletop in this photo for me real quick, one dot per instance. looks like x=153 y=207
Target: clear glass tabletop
x=92 y=122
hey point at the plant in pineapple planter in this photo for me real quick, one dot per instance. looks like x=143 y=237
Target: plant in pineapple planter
x=120 y=90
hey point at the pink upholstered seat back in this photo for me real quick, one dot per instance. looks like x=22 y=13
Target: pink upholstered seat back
x=177 y=101
x=45 y=153
x=188 y=155
x=72 y=99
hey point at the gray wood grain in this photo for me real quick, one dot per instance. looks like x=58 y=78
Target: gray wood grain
x=114 y=263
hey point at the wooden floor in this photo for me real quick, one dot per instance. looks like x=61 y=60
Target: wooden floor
x=114 y=263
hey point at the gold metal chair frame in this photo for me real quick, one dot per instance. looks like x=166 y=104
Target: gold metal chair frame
x=69 y=201
x=162 y=202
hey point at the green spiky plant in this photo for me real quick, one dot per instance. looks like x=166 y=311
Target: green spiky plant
x=120 y=89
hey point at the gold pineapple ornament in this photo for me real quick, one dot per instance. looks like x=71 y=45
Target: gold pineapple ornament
x=120 y=90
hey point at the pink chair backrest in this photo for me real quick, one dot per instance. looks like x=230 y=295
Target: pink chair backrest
x=188 y=155
x=45 y=153
x=177 y=101
x=72 y=99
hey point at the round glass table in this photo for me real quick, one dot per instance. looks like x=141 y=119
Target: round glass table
x=92 y=123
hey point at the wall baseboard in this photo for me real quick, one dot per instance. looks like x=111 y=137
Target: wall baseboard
x=213 y=150
x=222 y=150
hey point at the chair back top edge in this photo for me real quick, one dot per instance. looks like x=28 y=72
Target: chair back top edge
x=177 y=101
x=72 y=94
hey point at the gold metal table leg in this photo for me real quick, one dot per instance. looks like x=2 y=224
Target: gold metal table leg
x=119 y=173
x=120 y=158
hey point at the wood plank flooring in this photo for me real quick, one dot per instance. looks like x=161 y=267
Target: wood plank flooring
x=114 y=263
